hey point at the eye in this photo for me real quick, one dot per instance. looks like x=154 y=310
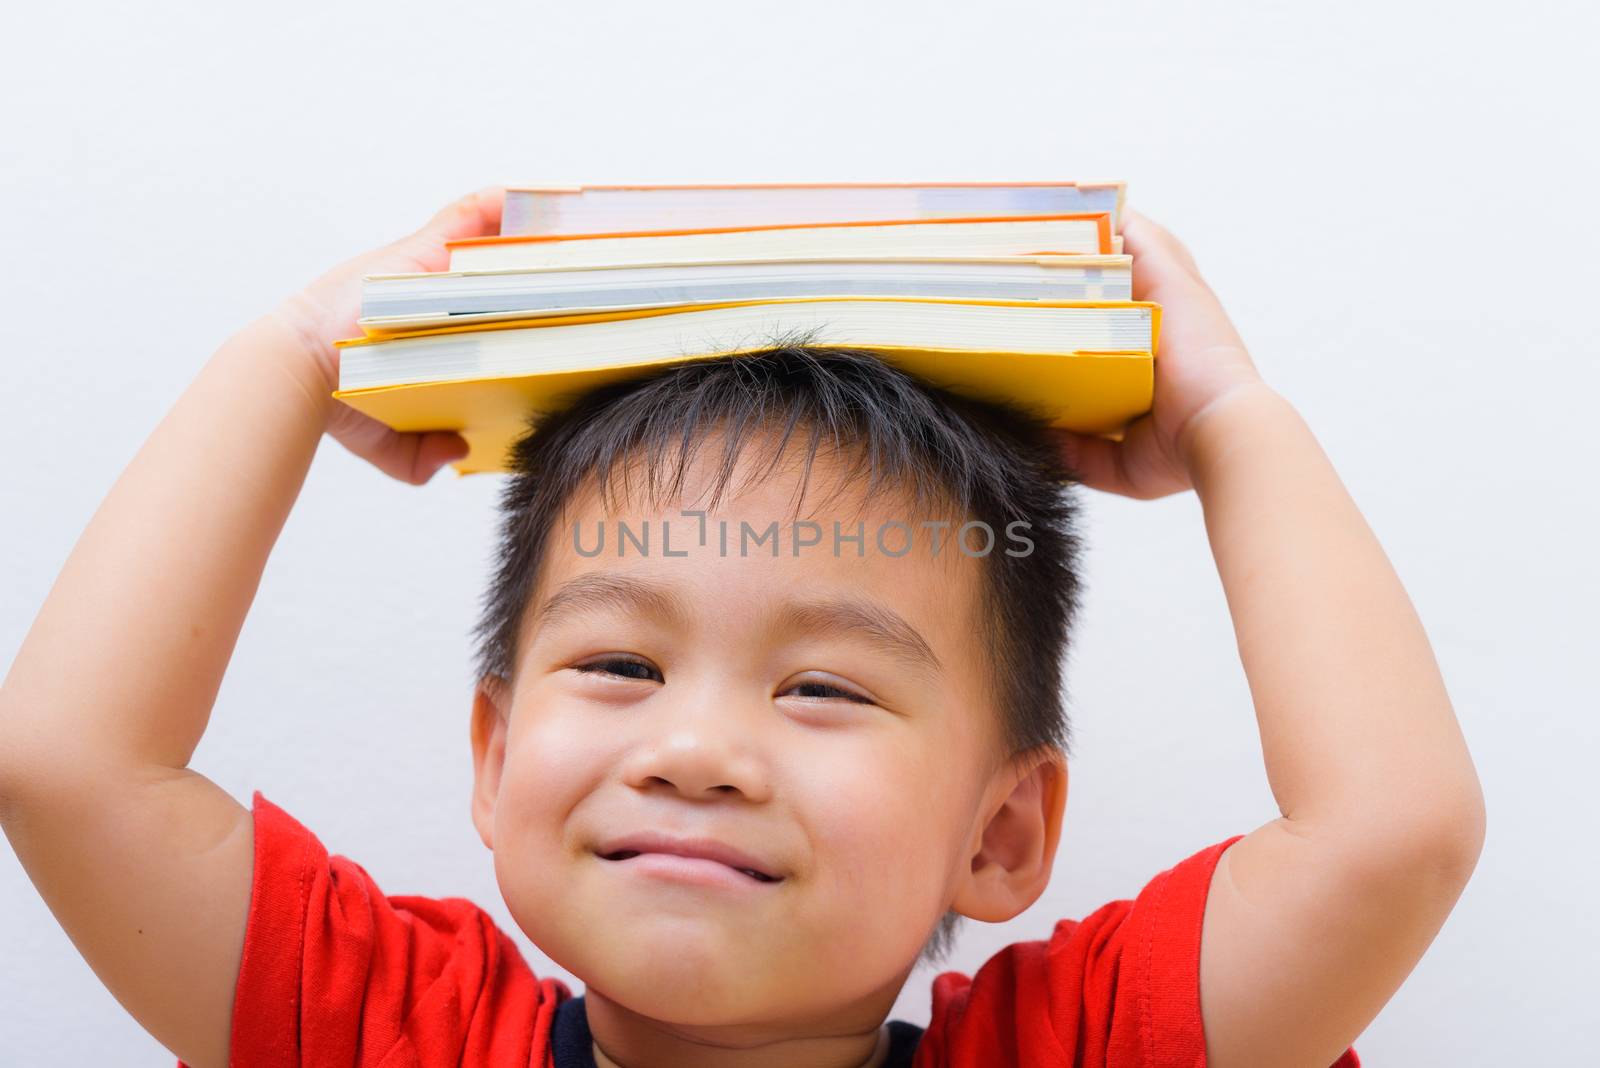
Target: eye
x=817 y=689
x=621 y=667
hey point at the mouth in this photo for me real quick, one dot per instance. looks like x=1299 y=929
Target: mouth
x=667 y=855
x=751 y=873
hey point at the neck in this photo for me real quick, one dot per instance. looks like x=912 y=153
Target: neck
x=624 y=1039
x=880 y=1050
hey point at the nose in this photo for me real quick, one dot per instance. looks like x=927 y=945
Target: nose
x=700 y=750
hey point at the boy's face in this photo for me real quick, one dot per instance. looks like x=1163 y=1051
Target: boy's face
x=825 y=715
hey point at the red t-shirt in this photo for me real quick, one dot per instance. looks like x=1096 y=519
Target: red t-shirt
x=336 y=973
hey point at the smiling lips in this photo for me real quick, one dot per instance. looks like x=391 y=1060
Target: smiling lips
x=694 y=858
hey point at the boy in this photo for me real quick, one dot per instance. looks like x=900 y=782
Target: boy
x=736 y=790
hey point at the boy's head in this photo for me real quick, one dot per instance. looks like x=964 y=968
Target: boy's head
x=842 y=663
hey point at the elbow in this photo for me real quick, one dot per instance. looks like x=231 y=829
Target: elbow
x=1430 y=842
x=8 y=764
x=30 y=768
x=7 y=806
x=1464 y=831
x=1456 y=826
x=1449 y=842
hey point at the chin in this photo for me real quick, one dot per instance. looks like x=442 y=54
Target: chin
x=679 y=969
x=672 y=969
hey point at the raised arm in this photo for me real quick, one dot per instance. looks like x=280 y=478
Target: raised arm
x=1315 y=919
x=145 y=862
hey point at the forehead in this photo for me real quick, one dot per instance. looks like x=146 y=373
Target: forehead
x=809 y=549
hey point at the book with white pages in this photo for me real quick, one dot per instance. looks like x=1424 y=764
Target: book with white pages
x=973 y=238
x=393 y=300
x=600 y=208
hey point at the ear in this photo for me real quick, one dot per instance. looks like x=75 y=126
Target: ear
x=491 y=709
x=1012 y=859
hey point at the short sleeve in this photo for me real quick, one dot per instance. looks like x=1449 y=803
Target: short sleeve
x=1119 y=989
x=334 y=972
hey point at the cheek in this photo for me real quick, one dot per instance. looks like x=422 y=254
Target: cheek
x=550 y=767
x=552 y=758
x=883 y=833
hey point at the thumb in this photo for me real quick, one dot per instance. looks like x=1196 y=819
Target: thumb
x=475 y=215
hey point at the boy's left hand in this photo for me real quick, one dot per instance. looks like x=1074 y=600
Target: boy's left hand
x=327 y=309
x=1202 y=359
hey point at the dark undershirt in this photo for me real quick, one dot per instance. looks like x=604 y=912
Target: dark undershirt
x=574 y=1045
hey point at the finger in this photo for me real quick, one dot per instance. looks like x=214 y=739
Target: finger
x=1134 y=467
x=474 y=215
x=435 y=449
x=1092 y=460
x=409 y=457
x=1165 y=272
x=1151 y=234
x=1163 y=269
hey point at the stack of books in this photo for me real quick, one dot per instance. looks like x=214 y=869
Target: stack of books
x=1005 y=291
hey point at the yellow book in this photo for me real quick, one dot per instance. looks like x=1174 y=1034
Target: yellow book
x=1084 y=365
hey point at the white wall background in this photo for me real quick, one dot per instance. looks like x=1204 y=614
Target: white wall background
x=1397 y=202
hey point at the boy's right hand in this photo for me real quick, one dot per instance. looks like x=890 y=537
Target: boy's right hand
x=1202 y=361
x=326 y=311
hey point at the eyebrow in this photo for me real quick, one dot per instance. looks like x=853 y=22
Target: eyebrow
x=874 y=624
x=599 y=592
